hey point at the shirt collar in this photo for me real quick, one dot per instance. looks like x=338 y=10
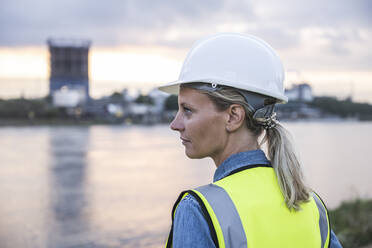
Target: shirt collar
x=238 y=160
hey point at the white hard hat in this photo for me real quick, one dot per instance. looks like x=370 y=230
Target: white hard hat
x=241 y=61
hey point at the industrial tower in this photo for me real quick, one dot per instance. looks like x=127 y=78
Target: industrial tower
x=69 y=66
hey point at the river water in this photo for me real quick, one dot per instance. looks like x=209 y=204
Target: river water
x=113 y=186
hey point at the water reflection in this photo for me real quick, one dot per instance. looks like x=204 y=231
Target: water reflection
x=112 y=186
x=69 y=205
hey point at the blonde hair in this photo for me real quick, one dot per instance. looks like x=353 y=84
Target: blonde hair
x=279 y=148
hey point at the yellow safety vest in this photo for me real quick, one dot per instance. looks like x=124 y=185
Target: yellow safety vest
x=247 y=209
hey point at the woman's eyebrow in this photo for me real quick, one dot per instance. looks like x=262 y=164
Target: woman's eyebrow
x=186 y=105
x=183 y=104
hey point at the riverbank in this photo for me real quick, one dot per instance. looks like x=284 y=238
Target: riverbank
x=116 y=110
x=53 y=122
x=352 y=223
x=91 y=122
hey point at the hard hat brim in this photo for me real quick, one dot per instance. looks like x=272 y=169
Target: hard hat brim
x=173 y=88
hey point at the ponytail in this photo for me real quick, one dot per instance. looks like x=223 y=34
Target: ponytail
x=287 y=166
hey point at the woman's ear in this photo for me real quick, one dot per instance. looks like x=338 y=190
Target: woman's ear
x=236 y=117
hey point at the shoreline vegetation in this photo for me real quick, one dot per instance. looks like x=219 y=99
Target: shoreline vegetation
x=352 y=223
x=33 y=112
x=86 y=122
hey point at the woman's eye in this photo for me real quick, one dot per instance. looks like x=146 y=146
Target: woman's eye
x=187 y=110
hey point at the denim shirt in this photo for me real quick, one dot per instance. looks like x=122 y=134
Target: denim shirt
x=190 y=227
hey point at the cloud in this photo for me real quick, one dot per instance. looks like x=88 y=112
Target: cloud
x=116 y=22
x=334 y=29
x=150 y=22
x=106 y=22
x=330 y=13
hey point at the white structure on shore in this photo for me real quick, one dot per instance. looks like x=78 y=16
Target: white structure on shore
x=300 y=92
x=69 y=98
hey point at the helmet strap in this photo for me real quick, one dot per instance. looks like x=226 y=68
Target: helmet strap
x=262 y=107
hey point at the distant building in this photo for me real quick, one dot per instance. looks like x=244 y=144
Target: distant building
x=300 y=92
x=159 y=98
x=69 y=69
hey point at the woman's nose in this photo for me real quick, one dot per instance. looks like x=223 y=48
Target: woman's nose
x=176 y=124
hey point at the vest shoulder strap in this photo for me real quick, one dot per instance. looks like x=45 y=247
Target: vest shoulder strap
x=324 y=223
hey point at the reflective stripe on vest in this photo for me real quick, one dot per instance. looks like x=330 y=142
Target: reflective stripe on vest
x=323 y=219
x=227 y=215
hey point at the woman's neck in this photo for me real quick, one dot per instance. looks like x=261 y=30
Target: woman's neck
x=236 y=142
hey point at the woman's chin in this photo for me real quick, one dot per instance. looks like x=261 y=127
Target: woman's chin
x=193 y=155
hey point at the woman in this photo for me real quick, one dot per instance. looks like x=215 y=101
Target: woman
x=227 y=90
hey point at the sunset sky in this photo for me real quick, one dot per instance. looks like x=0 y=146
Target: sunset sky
x=141 y=44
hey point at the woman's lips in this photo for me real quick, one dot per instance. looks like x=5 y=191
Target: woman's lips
x=184 y=141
